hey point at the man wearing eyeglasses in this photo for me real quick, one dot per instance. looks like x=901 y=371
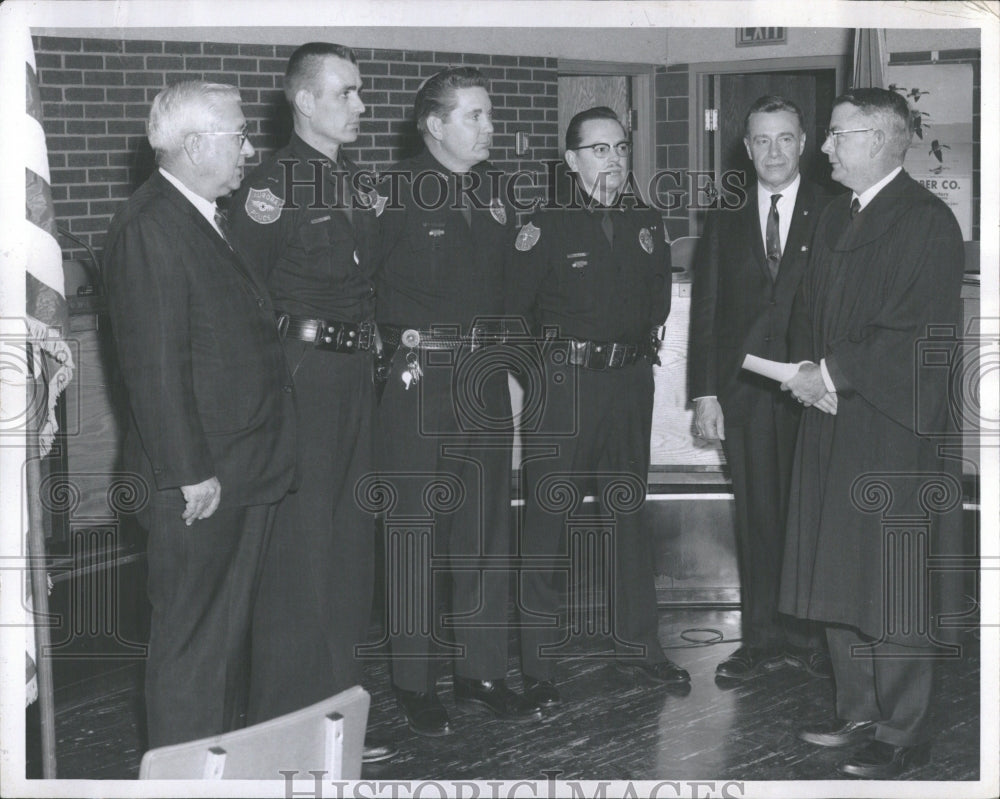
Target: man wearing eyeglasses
x=212 y=424
x=592 y=280
x=747 y=270
x=305 y=219
x=871 y=486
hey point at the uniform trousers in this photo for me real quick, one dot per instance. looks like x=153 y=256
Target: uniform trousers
x=444 y=449
x=315 y=600
x=889 y=682
x=759 y=451
x=605 y=418
x=202 y=582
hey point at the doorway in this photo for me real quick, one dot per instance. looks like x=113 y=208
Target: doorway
x=725 y=91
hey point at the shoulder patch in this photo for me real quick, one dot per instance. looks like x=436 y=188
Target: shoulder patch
x=527 y=237
x=263 y=206
x=498 y=212
x=646 y=240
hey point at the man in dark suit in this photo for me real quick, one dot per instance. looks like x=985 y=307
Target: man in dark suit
x=212 y=413
x=883 y=279
x=748 y=268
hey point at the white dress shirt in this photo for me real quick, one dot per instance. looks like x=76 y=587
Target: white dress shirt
x=786 y=205
x=205 y=208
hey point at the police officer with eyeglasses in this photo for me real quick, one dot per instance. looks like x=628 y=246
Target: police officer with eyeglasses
x=592 y=280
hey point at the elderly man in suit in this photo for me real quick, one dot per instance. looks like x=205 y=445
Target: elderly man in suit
x=884 y=275
x=212 y=413
x=748 y=268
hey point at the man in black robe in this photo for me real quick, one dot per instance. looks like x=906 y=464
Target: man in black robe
x=884 y=280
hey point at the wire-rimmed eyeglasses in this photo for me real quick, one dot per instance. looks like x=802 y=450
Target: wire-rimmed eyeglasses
x=832 y=133
x=243 y=133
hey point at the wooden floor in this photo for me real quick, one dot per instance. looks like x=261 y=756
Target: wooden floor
x=607 y=728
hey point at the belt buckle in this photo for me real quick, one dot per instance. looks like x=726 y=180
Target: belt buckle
x=597 y=355
x=616 y=358
x=366 y=335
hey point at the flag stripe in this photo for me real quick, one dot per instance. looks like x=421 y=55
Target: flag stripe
x=33 y=99
x=36 y=157
x=38 y=203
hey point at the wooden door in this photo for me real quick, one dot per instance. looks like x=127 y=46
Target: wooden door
x=579 y=92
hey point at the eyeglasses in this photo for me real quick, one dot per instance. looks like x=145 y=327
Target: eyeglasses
x=602 y=150
x=243 y=133
x=833 y=134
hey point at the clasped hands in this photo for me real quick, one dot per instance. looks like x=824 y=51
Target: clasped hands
x=809 y=388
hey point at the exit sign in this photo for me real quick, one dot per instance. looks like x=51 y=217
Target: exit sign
x=751 y=36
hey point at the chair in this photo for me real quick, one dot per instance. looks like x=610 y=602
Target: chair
x=682 y=251
x=328 y=736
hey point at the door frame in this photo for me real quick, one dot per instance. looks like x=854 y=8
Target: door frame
x=698 y=91
x=643 y=104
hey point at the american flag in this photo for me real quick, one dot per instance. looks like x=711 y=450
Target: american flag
x=31 y=247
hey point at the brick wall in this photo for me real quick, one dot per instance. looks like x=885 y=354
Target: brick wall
x=96 y=95
x=672 y=114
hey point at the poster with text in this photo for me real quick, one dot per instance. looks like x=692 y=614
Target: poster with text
x=940 y=157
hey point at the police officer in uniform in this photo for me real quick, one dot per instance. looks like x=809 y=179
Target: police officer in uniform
x=306 y=222
x=592 y=281
x=444 y=428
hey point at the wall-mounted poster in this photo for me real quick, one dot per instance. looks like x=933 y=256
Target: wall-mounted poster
x=940 y=98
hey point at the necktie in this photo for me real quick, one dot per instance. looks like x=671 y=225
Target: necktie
x=466 y=211
x=608 y=226
x=222 y=222
x=772 y=237
x=855 y=207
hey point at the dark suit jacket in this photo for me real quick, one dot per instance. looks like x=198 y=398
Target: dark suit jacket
x=736 y=308
x=208 y=387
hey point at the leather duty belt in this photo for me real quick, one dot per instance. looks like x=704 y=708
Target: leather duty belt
x=394 y=336
x=329 y=336
x=603 y=355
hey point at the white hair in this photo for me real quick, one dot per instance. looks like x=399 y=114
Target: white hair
x=191 y=106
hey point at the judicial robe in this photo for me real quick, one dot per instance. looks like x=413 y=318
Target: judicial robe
x=880 y=291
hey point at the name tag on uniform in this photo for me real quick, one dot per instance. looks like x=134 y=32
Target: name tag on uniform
x=579 y=259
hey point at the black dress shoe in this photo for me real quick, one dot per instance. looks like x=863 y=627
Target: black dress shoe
x=749 y=661
x=844 y=733
x=425 y=714
x=496 y=697
x=883 y=761
x=542 y=692
x=663 y=673
x=815 y=662
x=376 y=750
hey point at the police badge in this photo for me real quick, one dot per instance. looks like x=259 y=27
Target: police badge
x=263 y=206
x=646 y=240
x=498 y=212
x=527 y=238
